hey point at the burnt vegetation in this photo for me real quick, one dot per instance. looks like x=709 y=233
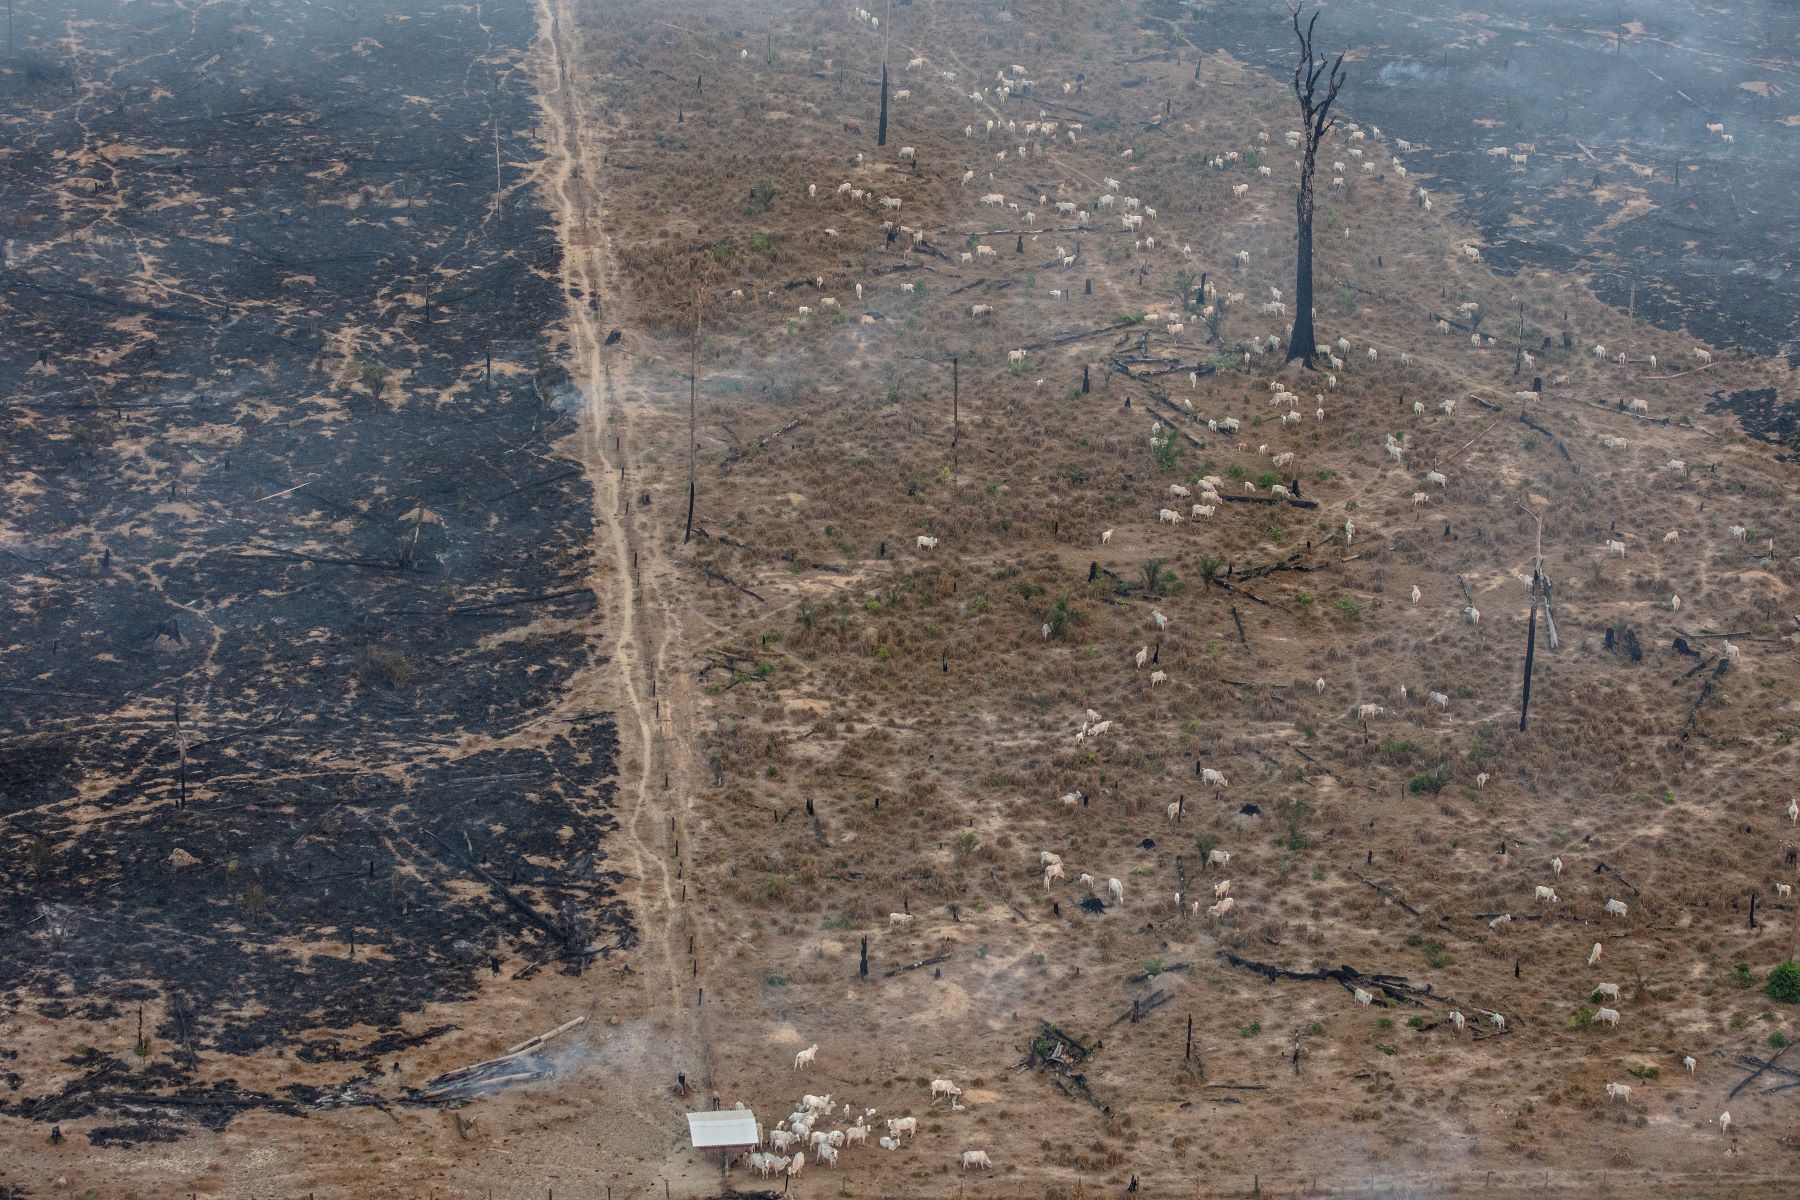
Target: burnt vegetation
x=287 y=550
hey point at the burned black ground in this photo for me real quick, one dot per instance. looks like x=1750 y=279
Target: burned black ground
x=279 y=556
x=1625 y=181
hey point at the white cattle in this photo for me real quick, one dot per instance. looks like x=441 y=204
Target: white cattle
x=899 y=919
x=1615 y=908
x=1213 y=778
x=1458 y=1020
x=943 y=1087
x=1157 y=677
x=1439 y=699
x=1546 y=893
x=1219 y=858
x=805 y=1057
x=927 y=543
x=1609 y=1015
x=1618 y=1091
x=1609 y=990
x=1116 y=890
x=976 y=1158
x=1169 y=516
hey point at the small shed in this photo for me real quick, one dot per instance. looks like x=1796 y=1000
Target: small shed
x=730 y=1131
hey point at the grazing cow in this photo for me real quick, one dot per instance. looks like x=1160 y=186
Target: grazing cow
x=976 y=1158
x=805 y=1057
x=1618 y=1091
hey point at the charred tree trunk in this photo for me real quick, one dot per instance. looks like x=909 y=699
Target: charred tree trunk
x=1315 y=117
x=881 y=130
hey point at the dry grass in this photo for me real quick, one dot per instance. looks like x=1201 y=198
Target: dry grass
x=910 y=698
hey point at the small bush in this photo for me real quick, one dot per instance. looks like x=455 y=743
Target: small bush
x=389 y=668
x=1350 y=607
x=1429 y=782
x=1784 y=983
x=1251 y=1030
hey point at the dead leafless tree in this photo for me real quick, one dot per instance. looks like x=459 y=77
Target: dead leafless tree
x=1316 y=122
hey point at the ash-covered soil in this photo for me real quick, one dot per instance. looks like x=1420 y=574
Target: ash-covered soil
x=1622 y=180
x=290 y=572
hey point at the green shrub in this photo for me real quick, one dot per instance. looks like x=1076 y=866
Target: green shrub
x=1429 y=782
x=1784 y=983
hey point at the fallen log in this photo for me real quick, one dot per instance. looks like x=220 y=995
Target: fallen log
x=1065 y=339
x=725 y=579
x=1558 y=442
x=1761 y=1066
x=933 y=961
x=545 y=482
x=738 y=453
x=1393 y=986
x=1142 y=1007
x=1388 y=892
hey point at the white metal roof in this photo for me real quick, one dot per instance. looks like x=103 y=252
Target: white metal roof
x=727 y=1127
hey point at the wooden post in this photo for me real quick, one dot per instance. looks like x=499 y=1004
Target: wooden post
x=1519 y=345
x=1189 y=1055
x=881 y=130
x=955 y=418
x=1537 y=588
x=693 y=407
